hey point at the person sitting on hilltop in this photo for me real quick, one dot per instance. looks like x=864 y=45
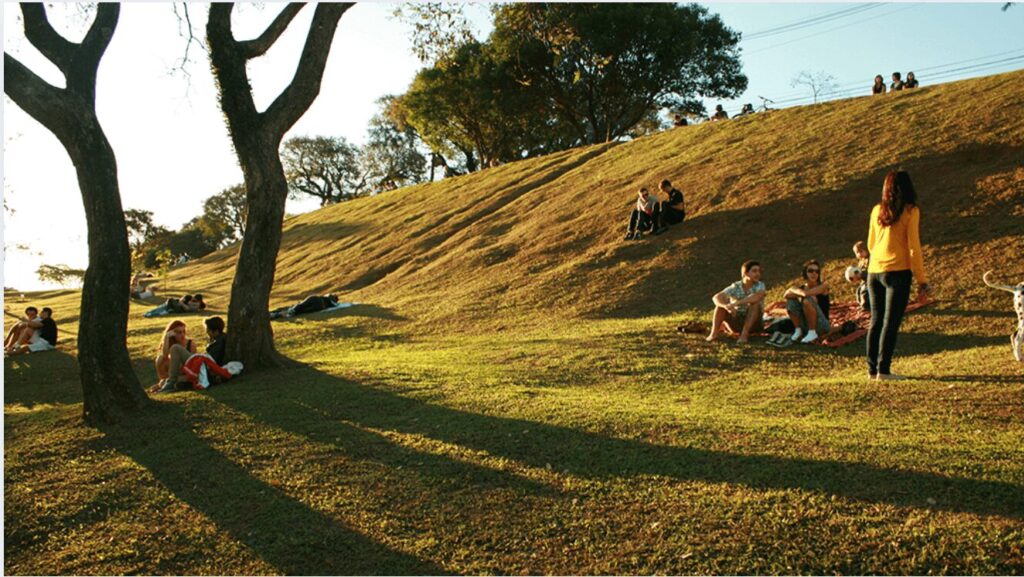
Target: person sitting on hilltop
x=747 y=109
x=311 y=304
x=670 y=211
x=720 y=113
x=911 y=81
x=642 y=217
x=177 y=377
x=897 y=84
x=879 y=86
x=739 y=305
x=36 y=333
x=678 y=120
x=808 y=305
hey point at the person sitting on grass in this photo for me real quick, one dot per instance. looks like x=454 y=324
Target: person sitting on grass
x=138 y=290
x=911 y=81
x=740 y=305
x=35 y=334
x=311 y=304
x=720 y=113
x=671 y=211
x=177 y=377
x=897 y=84
x=678 y=120
x=860 y=250
x=642 y=217
x=879 y=86
x=175 y=348
x=808 y=305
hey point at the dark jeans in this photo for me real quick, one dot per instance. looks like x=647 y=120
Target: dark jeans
x=889 y=293
x=639 y=221
x=665 y=215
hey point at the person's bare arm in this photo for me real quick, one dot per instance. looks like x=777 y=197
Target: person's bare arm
x=818 y=290
x=754 y=298
x=721 y=300
x=34 y=323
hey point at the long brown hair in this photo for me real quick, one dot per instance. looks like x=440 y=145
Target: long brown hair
x=897 y=193
x=170 y=327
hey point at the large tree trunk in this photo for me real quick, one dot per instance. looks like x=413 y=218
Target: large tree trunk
x=110 y=387
x=257 y=136
x=252 y=338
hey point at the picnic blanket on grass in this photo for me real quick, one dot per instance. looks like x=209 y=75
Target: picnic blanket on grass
x=841 y=313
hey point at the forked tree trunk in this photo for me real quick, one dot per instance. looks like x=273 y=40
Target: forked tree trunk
x=257 y=138
x=110 y=386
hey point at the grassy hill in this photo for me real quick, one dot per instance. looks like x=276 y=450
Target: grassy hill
x=511 y=395
x=541 y=238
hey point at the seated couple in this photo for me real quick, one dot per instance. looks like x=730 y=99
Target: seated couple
x=653 y=215
x=176 y=349
x=140 y=289
x=35 y=333
x=740 y=306
x=187 y=304
x=311 y=304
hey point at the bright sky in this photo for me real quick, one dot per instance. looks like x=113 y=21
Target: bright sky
x=173 y=149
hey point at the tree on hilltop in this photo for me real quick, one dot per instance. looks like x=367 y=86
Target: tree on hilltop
x=324 y=167
x=819 y=83
x=110 y=387
x=391 y=157
x=228 y=208
x=257 y=137
x=602 y=68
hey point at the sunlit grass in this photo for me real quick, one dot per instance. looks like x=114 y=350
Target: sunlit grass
x=513 y=397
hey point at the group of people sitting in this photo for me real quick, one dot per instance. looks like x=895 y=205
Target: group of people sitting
x=897 y=83
x=654 y=215
x=739 y=307
x=179 y=366
x=891 y=258
x=34 y=333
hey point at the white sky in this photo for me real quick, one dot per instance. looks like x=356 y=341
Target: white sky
x=173 y=149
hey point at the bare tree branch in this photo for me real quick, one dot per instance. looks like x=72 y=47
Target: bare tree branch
x=42 y=35
x=259 y=46
x=294 y=100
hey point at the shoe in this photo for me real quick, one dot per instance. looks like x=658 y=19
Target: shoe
x=629 y=235
x=169 y=386
x=811 y=337
x=891 y=377
x=797 y=334
x=638 y=235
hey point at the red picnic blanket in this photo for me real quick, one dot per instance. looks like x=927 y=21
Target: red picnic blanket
x=840 y=313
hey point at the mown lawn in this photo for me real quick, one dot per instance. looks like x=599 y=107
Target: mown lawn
x=603 y=446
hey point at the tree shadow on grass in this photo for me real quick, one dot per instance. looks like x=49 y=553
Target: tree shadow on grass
x=49 y=378
x=596 y=456
x=284 y=532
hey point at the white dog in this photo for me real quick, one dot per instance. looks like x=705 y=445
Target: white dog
x=1017 y=338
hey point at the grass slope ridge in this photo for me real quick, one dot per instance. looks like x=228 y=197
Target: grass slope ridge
x=544 y=235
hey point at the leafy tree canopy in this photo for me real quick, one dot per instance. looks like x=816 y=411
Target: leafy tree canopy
x=602 y=68
x=324 y=167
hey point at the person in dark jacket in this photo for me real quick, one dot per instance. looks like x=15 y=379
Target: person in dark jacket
x=670 y=211
x=311 y=304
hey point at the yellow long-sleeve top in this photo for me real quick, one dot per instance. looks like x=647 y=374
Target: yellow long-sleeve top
x=897 y=247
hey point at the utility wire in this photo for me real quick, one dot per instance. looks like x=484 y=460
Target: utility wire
x=800 y=24
x=891 y=12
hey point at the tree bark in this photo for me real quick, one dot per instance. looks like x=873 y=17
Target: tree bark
x=110 y=387
x=257 y=138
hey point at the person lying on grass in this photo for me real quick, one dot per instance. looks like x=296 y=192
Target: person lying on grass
x=642 y=217
x=311 y=304
x=808 y=305
x=739 y=305
x=34 y=334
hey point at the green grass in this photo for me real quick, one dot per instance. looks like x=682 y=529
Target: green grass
x=513 y=397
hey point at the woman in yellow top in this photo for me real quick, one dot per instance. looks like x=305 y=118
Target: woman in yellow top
x=894 y=242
